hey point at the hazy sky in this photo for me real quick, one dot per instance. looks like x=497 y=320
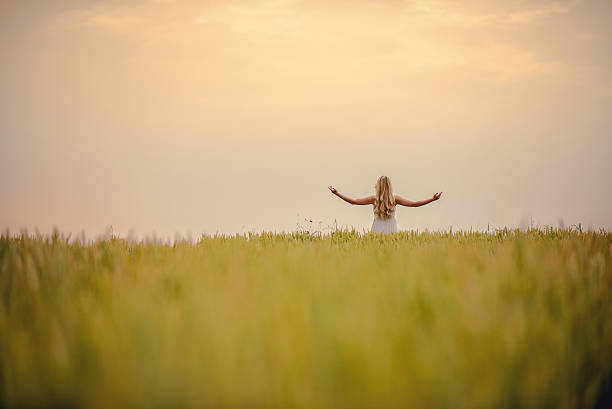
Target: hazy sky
x=232 y=116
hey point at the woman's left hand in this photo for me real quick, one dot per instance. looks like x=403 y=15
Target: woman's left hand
x=332 y=189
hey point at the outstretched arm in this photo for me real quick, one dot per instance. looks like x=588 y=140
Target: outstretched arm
x=363 y=201
x=405 y=202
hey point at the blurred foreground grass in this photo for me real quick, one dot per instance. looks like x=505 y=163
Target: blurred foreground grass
x=429 y=320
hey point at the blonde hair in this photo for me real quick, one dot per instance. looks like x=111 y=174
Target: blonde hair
x=384 y=203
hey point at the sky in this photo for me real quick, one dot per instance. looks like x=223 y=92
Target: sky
x=187 y=117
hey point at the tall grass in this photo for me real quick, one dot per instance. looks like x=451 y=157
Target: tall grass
x=430 y=320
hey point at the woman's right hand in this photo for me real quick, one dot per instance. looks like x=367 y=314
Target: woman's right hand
x=437 y=196
x=332 y=189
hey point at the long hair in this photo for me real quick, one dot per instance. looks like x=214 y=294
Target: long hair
x=384 y=204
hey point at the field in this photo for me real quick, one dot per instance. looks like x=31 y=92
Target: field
x=423 y=320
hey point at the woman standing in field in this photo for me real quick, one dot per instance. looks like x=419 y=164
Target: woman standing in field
x=384 y=204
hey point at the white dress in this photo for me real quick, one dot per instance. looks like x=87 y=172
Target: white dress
x=384 y=226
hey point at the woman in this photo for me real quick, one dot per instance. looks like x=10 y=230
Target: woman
x=384 y=204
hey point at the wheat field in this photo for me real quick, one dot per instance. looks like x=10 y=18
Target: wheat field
x=508 y=319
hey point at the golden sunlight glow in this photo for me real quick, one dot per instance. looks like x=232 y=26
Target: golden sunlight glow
x=465 y=97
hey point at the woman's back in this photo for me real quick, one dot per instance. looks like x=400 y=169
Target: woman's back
x=380 y=225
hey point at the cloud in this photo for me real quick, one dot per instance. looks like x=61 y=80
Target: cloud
x=531 y=15
x=110 y=20
x=318 y=41
x=452 y=14
x=419 y=12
